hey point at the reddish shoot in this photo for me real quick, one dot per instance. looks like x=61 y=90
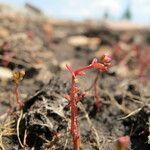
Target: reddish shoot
x=17 y=77
x=75 y=95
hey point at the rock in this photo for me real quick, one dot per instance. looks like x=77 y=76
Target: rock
x=5 y=73
x=78 y=40
x=84 y=41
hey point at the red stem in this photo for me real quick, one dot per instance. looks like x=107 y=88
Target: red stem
x=19 y=102
x=74 y=126
x=76 y=72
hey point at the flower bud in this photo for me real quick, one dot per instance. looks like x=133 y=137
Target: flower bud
x=106 y=59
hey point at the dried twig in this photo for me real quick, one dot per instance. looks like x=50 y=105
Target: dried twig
x=18 y=124
x=131 y=114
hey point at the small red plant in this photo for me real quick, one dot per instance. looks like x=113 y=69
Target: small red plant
x=123 y=143
x=17 y=77
x=75 y=95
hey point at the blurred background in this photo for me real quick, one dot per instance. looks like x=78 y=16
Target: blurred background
x=137 y=11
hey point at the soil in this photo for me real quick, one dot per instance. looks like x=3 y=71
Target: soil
x=42 y=46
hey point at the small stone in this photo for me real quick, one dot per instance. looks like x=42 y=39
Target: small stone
x=5 y=73
x=92 y=43
x=78 y=40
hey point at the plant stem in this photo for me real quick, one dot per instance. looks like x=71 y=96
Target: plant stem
x=19 y=102
x=83 y=69
x=96 y=94
x=74 y=126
